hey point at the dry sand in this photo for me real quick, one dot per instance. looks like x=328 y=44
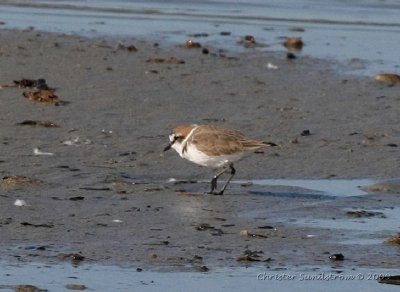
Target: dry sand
x=105 y=193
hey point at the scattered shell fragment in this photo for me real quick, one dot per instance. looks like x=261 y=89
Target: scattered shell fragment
x=247 y=258
x=107 y=132
x=76 y=287
x=204 y=226
x=394 y=240
x=192 y=45
x=76 y=142
x=131 y=48
x=171 y=60
x=20 y=203
x=365 y=214
x=204 y=269
x=14 y=181
x=252 y=256
x=336 y=257
x=388 y=78
x=248 y=41
x=293 y=44
x=28 y=288
x=44 y=225
x=31 y=83
x=199 y=35
x=393 y=280
x=43 y=95
x=393 y=187
x=37 y=151
x=46 y=124
x=297 y=29
x=272 y=66
x=151 y=72
x=246 y=233
x=28 y=83
x=77 y=198
x=75 y=258
x=205 y=51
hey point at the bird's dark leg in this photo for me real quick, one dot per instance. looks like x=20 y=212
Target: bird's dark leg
x=215 y=178
x=233 y=171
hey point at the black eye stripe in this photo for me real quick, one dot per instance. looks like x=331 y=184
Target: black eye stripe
x=178 y=138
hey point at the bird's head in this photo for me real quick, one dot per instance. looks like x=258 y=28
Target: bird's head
x=178 y=135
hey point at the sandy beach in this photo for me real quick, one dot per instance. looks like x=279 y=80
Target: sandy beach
x=106 y=192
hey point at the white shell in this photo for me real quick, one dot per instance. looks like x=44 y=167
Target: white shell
x=20 y=203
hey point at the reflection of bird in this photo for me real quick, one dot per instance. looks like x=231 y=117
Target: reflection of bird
x=212 y=147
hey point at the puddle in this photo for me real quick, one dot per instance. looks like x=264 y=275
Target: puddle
x=112 y=278
x=331 y=187
x=372 y=224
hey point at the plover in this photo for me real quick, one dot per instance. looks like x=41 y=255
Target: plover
x=213 y=147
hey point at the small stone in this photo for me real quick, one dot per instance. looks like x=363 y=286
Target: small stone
x=204 y=269
x=192 y=45
x=291 y=56
x=393 y=280
x=293 y=44
x=205 y=51
x=244 y=233
x=394 y=240
x=336 y=257
x=388 y=78
x=28 y=288
x=75 y=287
x=20 y=203
x=250 y=39
x=131 y=48
x=247 y=258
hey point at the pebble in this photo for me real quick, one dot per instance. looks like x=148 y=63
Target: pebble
x=20 y=203
x=192 y=45
x=28 y=288
x=293 y=44
x=75 y=287
x=388 y=78
x=393 y=280
x=394 y=240
x=336 y=257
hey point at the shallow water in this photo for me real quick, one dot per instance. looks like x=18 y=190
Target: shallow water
x=363 y=35
x=330 y=187
x=56 y=277
x=391 y=222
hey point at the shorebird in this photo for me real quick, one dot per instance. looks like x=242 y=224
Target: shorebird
x=213 y=147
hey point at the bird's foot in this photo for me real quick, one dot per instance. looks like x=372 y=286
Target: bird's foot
x=215 y=193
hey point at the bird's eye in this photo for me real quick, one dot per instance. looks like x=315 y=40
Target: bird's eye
x=174 y=137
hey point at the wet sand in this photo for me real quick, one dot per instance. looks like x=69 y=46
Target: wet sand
x=105 y=192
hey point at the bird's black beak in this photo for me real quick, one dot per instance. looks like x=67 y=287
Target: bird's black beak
x=169 y=146
x=171 y=143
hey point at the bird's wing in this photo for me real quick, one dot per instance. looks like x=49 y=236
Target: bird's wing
x=214 y=141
